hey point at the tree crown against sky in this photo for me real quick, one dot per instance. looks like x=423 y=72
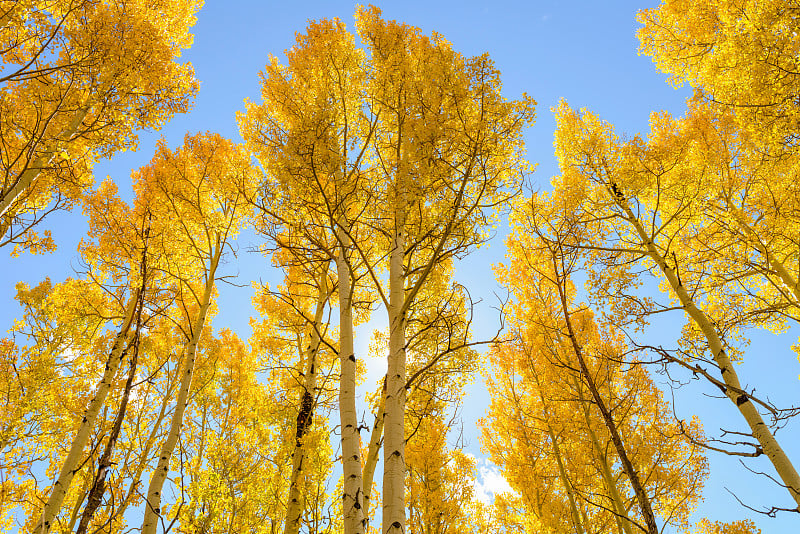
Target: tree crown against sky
x=703 y=207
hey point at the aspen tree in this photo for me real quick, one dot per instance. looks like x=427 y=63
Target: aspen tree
x=325 y=136
x=80 y=78
x=116 y=262
x=448 y=152
x=238 y=443
x=311 y=135
x=295 y=335
x=636 y=210
x=741 y=60
x=442 y=360
x=578 y=378
x=98 y=487
x=194 y=196
x=739 y=56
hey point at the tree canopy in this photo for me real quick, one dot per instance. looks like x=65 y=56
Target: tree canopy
x=371 y=167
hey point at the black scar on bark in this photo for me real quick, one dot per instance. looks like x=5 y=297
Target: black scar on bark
x=304 y=417
x=741 y=399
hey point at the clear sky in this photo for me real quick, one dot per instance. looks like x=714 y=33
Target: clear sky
x=583 y=51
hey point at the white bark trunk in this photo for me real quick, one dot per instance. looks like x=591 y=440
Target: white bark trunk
x=71 y=462
x=373 y=450
x=761 y=432
x=152 y=511
x=352 y=496
x=394 y=467
x=151 y=438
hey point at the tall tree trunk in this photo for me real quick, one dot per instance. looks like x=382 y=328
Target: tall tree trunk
x=305 y=417
x=394 y=467
x=641 y=497
x=73 y=517
x=99 y=484
x=562 y=473
x=71 y=463
x=562 y=470
x=151 y=439
x=152 y=511
x=352 y=496
x=373 y=450
x=620 y=511
x=733 y=390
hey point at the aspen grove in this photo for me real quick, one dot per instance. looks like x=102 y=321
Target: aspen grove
x=376 y=160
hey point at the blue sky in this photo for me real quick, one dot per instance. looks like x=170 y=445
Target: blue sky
x=585 y=52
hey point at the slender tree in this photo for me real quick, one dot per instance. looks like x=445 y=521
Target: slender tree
x=448 y=154
x=636 y=210
x=195 y=197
